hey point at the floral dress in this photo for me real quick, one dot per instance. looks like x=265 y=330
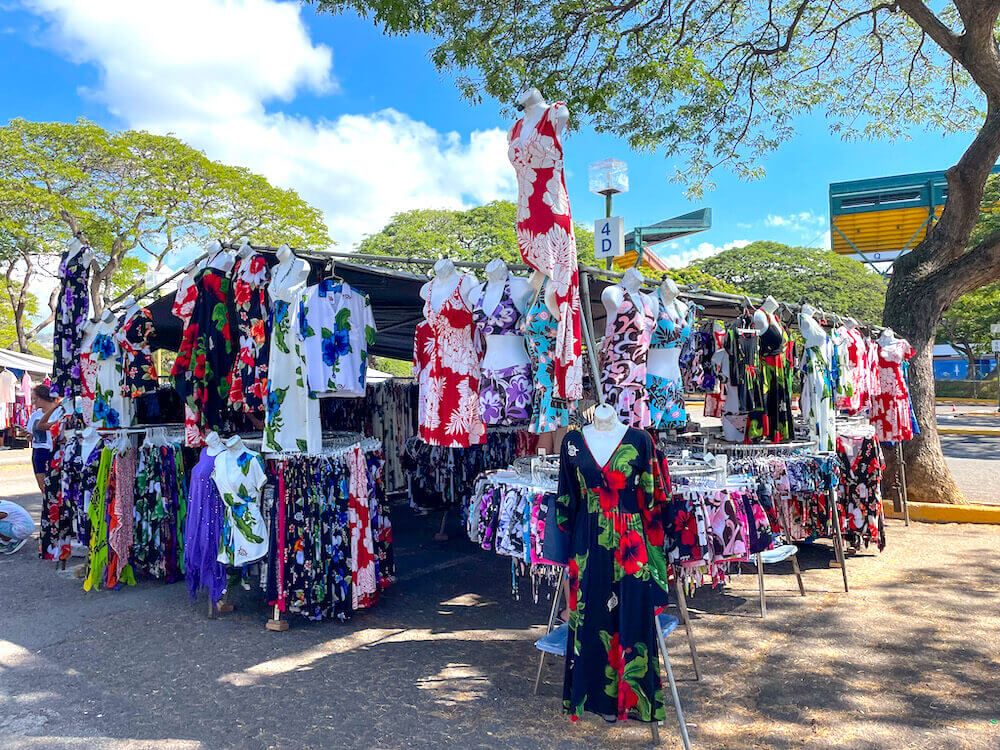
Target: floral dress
x=548 y=412
x=291 y=421
x=205 y=358
x=891 y=404
x=447 y=369
x=623 y=354
x=73 y=306
x=111 y=408
x=239 y=477
x=617 y=575
x=774 y=421
x=545 y=238
x=817 y=387
x=504 y=393
x=248 y=378
x=666 y=395
x=140 y=372
x=203 y=532
x=860 y=496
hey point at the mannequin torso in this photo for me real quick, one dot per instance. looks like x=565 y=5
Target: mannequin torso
x=289 y=272
x=503 y=350
x=604 y=434
x=664 y=362
x=446 y=280
x=213 y=444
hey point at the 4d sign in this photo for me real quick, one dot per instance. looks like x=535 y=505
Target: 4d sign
x=609 y=237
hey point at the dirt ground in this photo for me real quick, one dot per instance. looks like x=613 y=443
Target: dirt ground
x=910 y=658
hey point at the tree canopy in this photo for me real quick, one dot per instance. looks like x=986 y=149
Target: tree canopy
x=130 y=194
x=832 y=282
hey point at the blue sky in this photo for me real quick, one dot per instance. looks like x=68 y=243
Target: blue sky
x=363 y=125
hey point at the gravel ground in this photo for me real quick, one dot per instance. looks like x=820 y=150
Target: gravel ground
x=908 y=659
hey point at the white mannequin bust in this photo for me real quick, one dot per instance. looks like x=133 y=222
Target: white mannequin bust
x=217 y=259
x=604 y=434
x=503 y=350
x=760 y=320
x=613 y=296
x=131 y=307
x=665 y=363
x=887 y=338
x=291 y=269
x=75 y=247
x=812 y=331
x=533 y=104
x=676 y=308
x=235 y=445
x=245 y=250
x=213 y=443
x=91 y=437
x=446 y=280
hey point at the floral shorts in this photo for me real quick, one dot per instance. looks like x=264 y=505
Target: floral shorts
x=505 y=395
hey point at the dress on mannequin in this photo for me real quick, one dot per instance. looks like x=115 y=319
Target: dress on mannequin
x=623 y=354
x=664 y=380
x=545 y=229
x=548 y=412
x=774 y=421
x=816 y=402
x=617 y=572
x=239 y=477
x=248 y=377
x=72 y=309
x=505 y=391
x=891 y=403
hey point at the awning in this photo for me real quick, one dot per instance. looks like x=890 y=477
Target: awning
x=26 y=362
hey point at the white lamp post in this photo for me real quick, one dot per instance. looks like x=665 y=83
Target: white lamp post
x=608 y=177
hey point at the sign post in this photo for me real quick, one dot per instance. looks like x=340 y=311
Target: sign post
x=609 y=238
x=608 y=178
x=995 y=347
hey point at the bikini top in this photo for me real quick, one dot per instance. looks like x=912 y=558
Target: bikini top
x=772 y=340
x=669 y=333
x=503 y=320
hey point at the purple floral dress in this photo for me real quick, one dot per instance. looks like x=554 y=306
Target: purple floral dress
x=71 y=315
x=504 y=393
x=203 y=531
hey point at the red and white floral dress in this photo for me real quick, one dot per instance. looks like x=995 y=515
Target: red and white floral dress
x=446 y=366
x=891 y=405
x=545 y=236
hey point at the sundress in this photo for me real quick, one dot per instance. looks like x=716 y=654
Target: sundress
x=774 y=421
x=666 y=395
x=111 y=408
x=617 y=575
x=61 y=518
x=854 y=389
x=817 y=387
x=860 y=491
x=72 y=309
x=203 y=532
x=622 y=358
x=548 y=412
x=160 y=512
x=546 y=241
x=239 y=477
x=140 y=372
x=250 y=314
x=359 y=518
x=205 y=358
x=291 y=422
x=504 y=393
x=447 y=367
x=891 y=405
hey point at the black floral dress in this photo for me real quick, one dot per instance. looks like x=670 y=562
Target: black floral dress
x=617 y=576
x=205 y=358
x=71 y=315
x=140 y=372
x=250 y=315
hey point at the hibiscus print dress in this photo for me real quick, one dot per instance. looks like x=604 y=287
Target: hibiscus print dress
x=617 y=575
x=545 y=237
x=248 y=378
x=548 y=411
x=446 y=365
x=140 y=372
x=891 y=402
x=72 y=309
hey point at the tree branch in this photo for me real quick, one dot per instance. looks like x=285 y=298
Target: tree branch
x=924 y=17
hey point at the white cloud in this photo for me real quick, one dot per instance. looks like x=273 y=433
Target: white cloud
x=802 y=222
x=207 y=71
x=682 y=257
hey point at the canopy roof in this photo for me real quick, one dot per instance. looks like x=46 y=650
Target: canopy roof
x=398 y=307
x=27 y=362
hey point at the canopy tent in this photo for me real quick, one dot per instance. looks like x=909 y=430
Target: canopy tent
x=398 y=307
x=25 y=362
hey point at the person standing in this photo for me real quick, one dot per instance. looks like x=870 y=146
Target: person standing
x=46 y=413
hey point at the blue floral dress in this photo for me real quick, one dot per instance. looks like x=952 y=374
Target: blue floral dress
x=548 y=413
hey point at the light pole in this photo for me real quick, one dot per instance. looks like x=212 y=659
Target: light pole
x=608 y=177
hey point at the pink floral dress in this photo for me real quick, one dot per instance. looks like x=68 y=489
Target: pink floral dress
x=446 y=366
x=891 y=405
x=545 y=237
x=623 y=355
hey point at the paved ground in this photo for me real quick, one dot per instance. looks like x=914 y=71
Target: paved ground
x=908 y=659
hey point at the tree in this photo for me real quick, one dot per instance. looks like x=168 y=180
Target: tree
x=966 y=324
x=826 y=280
x=132 y=194
x=719 y=82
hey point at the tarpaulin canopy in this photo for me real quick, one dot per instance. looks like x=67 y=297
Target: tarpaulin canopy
x=25 y=362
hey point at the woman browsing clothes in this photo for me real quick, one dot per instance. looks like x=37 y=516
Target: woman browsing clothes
x=46 y=413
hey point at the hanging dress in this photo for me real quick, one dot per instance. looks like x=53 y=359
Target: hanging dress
x=622 y=358
x=239 y=477
x=111 y=408
x=860 y=491
x=548 y=412
x=203 y=532
x=292 y=421
x=248 y=377
x=617 y=574
x=891 y=403
x=140 y=372
x=504 y=393
x=72 y=309
x=205 y=358
x=666 y=395
x=774 y=421
x=545 y=238
x=449 y=375
x=816 y=402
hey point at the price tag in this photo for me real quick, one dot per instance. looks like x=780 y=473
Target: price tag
x=609 y=237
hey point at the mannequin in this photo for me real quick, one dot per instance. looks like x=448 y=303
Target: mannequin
x=503 y=350
x=213 y=443
x=245 y=250
x=75 y=247
x=604 y=434
x=218 y=259
x=760 y=320
x=536 y=280
x=812 y=331
x=888 y=338
x=665 y=363
x=131 y=307
x=446 y=280
x=234 y=444
x=91 y=437
x=631 y=282
x=290 y=270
